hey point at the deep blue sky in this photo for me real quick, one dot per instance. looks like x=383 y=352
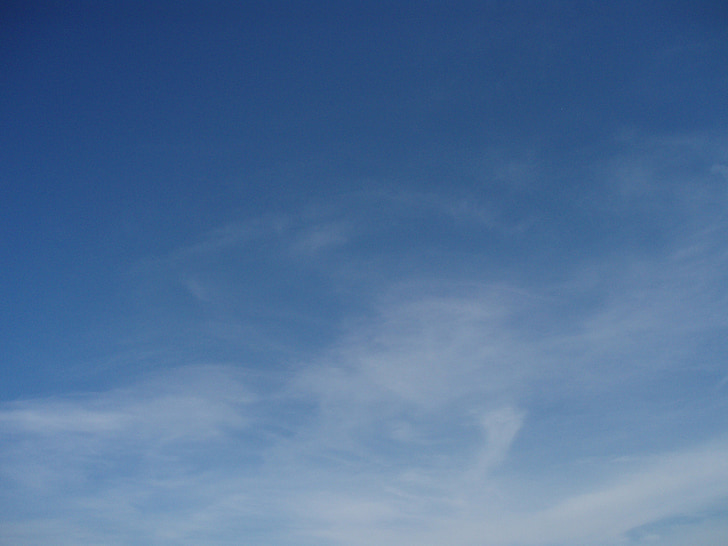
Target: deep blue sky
x=363 y=272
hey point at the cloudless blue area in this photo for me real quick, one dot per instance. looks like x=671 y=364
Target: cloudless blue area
x=397 y=259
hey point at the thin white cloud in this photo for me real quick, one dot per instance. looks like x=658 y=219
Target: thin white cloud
x=188 y=406
x=668 y=484
x=320 y=238
x=672 y=483
x=669 y=172
x=414 y=203
x=415 y=425
x=405 y=438
x=720 y=169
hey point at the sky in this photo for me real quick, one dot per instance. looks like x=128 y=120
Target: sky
x=364 y=273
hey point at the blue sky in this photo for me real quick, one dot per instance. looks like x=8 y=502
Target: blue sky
x=357 y=273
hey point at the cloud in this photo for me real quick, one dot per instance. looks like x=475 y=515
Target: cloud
x=408 y=430
x=666 y=172
x=574 y=408
x=667 y=484
x=320 y=238
x=413 y=427
x=168 y=420
x=720 y=169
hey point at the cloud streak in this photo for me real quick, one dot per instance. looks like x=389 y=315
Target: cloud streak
x=403 y=431
x=574 y=409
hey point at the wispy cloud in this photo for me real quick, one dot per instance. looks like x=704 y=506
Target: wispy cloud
x=319 y=238
x=402 y=432
x=576 y=409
